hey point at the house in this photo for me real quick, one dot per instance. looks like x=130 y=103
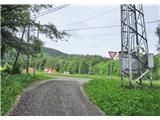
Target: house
x=49 y=70
x=31 y=70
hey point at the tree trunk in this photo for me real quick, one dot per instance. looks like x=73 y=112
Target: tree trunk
x=18 y=52
x=2 y=51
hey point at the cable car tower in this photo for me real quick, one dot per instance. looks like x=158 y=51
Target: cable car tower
x=135 y=59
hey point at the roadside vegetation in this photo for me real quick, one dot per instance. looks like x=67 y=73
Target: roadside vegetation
x=13 y=85
x=107 y=94
x=18 y=45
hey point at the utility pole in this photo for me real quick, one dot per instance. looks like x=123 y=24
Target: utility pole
x=136 y=62
x=28 y=37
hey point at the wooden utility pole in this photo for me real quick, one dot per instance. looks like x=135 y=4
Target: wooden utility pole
x=28 y=37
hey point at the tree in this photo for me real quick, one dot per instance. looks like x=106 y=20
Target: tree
x=158 y=34
x=156 y=69
x=83 y=67
x=15 y=19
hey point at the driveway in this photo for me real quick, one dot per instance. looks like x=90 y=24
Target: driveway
x=62 y=96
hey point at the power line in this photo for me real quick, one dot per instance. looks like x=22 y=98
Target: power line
x=110 y=26
x=51 y=10
x=101 y=27
x=88 y=28
x=91 y=18
x=156 y=21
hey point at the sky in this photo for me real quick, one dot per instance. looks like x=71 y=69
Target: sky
x=95 y=41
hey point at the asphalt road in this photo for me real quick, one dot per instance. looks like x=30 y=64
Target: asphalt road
x=62 y=96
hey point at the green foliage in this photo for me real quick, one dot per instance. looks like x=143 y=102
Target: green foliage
x=158 y=34
x=16 y=69
x=52 y=52
x=14 y=21
x=82 y=64
x=13 y=85
x=114 y=100
x=156 y=70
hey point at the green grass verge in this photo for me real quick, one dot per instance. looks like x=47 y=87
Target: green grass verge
x=76 y=75
x=114 y=100
x=72 y=75
x=13 y=85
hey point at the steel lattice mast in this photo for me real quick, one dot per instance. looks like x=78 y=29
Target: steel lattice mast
x=134 y=55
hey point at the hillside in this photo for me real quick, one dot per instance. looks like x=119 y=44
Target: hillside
x=56 y=53
x=52 y=52
x=73 y=63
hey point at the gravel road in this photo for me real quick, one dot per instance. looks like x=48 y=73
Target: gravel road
x=62 y=96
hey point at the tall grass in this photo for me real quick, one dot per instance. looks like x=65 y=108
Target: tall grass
x=13 y=85
x=114 y=100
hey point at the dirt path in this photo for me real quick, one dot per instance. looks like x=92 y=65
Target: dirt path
x=62 y=96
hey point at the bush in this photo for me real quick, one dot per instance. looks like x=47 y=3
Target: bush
x=16 y=69
x=156 y=70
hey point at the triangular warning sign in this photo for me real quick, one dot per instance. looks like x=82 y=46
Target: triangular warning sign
x=112 y=54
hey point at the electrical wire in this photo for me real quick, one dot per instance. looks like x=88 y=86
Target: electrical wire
x=51 y=10
x=110 y=26
x=93 y=17
x=88 y=28
x=102 y=27
x=156 y=21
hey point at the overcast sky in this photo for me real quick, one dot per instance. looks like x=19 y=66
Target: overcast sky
x=95 y=41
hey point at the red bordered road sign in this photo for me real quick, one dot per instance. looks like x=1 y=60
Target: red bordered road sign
x=112 y=54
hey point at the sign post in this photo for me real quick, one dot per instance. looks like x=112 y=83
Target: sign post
x=112 y=54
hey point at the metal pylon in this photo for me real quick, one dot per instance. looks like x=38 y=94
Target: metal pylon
x=134 y=47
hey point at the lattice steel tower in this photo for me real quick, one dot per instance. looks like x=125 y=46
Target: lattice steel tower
x=136 y=62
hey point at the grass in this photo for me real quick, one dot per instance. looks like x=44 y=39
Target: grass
x=77 y=75
x=13 y=85
x=106 y=93
x=66 y=75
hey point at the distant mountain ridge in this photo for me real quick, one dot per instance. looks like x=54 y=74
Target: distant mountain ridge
x=52 y=52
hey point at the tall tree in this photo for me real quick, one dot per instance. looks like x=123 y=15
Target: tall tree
x=158 y=34
x=14 y=19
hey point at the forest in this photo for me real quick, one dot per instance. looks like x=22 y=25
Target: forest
x=72 y=63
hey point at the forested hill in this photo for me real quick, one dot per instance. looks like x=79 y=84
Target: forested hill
x=81 y=64
x=52 y=52
x=73 y=63
x=56 y=53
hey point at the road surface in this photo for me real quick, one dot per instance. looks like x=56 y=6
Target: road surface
x=62 y=96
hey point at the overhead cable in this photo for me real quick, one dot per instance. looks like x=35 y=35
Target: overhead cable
x=51 y=10
x=93 y=17
x=109 y=26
